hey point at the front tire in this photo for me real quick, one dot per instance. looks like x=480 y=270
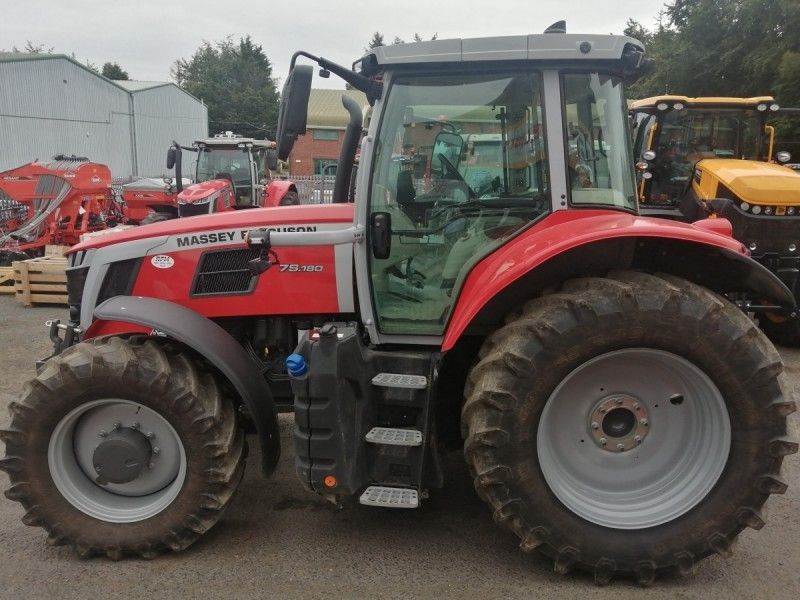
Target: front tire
x=123 y=447
x=589 y=497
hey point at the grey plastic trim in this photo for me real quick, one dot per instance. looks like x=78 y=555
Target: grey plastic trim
x=99 y=259
x=554 y=132
x=531 y=47
x=217 y=346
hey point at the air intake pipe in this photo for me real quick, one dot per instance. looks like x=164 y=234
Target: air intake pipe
x=347 y=156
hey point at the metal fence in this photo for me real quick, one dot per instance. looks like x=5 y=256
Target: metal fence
x=314 y=189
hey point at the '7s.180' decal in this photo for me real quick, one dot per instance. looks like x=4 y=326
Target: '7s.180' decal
x=295 y=268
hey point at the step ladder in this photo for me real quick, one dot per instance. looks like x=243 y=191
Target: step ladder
x=389 y=497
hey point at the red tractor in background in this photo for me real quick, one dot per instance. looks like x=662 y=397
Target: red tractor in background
x=232 y=172
x=53 y=203
x=618 y=412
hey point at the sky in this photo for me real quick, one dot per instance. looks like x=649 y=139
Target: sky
x=145 y=37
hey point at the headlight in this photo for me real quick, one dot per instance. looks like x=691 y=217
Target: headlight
x=756 y=210
x=744 y=206
x=790 y=211
x=768 y=210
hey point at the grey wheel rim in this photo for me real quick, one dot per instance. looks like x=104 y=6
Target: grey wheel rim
x=681 y=421
x=75 y=440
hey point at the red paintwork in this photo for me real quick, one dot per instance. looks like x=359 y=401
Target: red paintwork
x=716 y=224
x=140 y=203
x=553 y=235
x=86 y=208
x=252 y=218
x=275 y=191
x=276 y=292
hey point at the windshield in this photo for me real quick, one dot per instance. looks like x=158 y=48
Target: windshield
x=224 y=163
x=696 y=133
x=459 y=167
x=684 y=137
x=598 y=145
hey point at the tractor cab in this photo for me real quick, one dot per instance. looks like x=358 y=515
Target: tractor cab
x=242 y=161
x=712 y=148
x=231 y=172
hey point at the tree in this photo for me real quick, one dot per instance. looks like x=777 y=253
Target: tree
x=114 y=71
x=235 y=80
x=377 y=40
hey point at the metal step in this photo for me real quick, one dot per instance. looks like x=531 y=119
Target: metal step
x=400 y=380
x=390 y=497
x=394 y=437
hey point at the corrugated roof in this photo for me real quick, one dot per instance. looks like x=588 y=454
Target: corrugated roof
x=137 y=86
x=26 y=56
x=325 y=108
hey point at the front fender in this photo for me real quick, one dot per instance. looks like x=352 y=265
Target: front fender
x=214 y=344
x=576 y=243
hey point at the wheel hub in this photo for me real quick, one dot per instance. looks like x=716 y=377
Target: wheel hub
x=121 y=456
x=619 y=423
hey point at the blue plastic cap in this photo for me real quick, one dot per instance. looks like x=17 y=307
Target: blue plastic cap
x=296 y=365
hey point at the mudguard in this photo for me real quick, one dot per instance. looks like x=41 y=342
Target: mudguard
x=576 y=243
x=276 y=190
x=217 y=346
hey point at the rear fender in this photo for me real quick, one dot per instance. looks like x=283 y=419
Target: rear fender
x=537 y=260
x=128 y=314
x=276 y=190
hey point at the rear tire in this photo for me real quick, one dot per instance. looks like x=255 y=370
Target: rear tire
x=173 y=395
x=520 y=370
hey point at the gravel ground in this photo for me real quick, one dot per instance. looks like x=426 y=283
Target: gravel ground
x=277 y=540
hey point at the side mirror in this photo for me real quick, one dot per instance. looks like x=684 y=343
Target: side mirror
x=171 y=153
x=381 y=234
x=294 y=108
x=783 y=157
x=272 y=159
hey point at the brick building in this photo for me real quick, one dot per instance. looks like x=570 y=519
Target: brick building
x=327 y=120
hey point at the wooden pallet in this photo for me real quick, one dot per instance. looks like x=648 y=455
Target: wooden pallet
x=40 y=281
x=6 y=280
x=53 y=250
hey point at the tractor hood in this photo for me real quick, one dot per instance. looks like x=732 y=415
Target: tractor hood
x=201 y=192
x=754 y=181
x=284 y=218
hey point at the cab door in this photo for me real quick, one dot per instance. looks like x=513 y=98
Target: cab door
x=427 y=226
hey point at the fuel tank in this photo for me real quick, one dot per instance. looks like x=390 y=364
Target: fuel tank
x=202 y=263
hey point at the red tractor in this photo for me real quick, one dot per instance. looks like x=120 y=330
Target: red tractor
x=617 y=411
x=232 y=172
x=53 y=203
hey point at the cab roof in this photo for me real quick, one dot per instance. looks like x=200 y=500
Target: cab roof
x=716 y=101
x=543 y=46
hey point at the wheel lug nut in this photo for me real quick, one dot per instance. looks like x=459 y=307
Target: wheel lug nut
x=103 y=433
x=156 y=449
x=643 y=421
x=636 y=406
x=149 y=435
x=620 y=446
x=637 y=439
x=603 y=441
x=135 y=425
x=619 y=401
x=595 y=425
x=117 y=425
